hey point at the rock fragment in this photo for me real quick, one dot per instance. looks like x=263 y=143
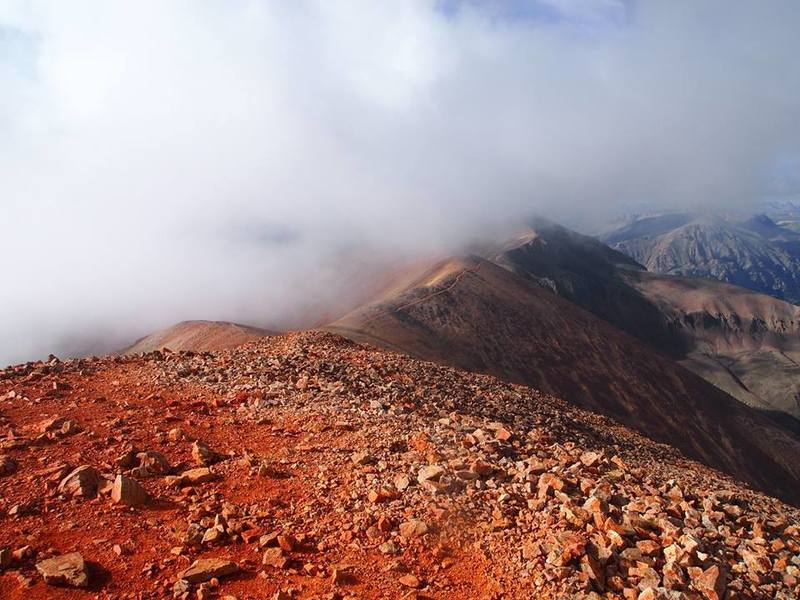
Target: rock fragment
x=207 y=569
x=7 y=465
x=67 y=569
x=82 y=482
x=203 y=454
x=194 y=477
x=413 y=528
x=275 y=557
x=411 y=581
x=430 y=473
x=128 y=491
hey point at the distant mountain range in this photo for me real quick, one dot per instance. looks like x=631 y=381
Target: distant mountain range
x=708 y=367
x=755 y=253
x=744 y=342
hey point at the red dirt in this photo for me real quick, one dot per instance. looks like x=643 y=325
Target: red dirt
x=302 y=404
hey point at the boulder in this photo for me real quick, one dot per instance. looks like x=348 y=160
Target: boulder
x=67 y=569
x=128 y=491
x=82 y=482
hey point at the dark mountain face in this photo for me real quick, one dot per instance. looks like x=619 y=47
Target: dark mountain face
x=743 y=342
x=756 y=254
x=593 y=276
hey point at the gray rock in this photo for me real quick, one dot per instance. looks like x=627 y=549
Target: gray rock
x=82 y=482
x=128 y=491
x=206 y=569
x=67 y=569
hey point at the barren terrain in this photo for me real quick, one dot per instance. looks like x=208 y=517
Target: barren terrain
x=311 y=467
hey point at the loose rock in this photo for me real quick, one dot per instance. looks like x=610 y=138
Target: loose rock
x=67 y=569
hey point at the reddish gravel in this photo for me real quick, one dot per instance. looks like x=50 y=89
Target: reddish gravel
x=510 y=493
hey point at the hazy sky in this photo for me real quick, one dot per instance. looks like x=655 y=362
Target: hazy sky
x=240 y=159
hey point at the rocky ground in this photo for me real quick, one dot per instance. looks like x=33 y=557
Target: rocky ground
x=305 y=466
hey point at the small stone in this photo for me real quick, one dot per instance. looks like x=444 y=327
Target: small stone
x=151 y=464
x=503 y=434
x=25 y=508
x=206 y=569
x=53 y=424
x=388 y=547
x=7 y=465
x=339 y=577
x=268 y=540
x=410 y=580
x=383 y=494
x=180 y=588
x=413 y=528
x=430 y=473
x=287 y=543
x=105 y=487
x=710 y=582
x=590 y=459
x=362 y=458
x=213 y=535
x=194 y=477
x=23 y=553
x=481 y=468
x=274 y=557
x=385 y=524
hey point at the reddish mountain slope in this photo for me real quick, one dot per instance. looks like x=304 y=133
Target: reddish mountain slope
x=198 y=336
x=476 y=315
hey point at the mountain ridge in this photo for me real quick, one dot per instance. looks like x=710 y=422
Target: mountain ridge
x=484 y=318
x=753 y=253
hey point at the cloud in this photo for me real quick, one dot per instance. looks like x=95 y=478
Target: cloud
x=250 y=160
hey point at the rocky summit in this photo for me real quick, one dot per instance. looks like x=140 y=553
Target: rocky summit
x=307 y=466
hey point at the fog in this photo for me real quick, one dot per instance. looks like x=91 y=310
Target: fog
x=258 y=161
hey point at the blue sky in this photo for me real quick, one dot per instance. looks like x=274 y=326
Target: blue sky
x=543 y=11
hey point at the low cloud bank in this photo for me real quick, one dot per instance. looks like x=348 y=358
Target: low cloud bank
x=257 y=161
